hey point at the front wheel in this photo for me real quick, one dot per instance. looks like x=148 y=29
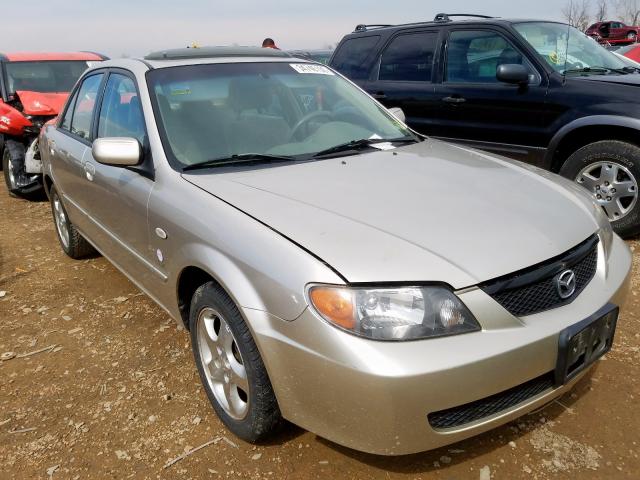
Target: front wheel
x=632 y=36
x=18 y=182
x=231 y=369
x=610 y=170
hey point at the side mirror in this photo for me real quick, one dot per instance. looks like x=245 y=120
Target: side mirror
x=117 y=151
x=398 y=113
x=513 y=73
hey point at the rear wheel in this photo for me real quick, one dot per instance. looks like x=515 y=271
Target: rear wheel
x=610 y=170
x=231 y=369
x=73 y=244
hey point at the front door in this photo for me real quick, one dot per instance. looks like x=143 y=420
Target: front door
x=121 y=194
x=478 y=109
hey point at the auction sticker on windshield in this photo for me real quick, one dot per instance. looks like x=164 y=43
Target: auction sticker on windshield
x=310 y=68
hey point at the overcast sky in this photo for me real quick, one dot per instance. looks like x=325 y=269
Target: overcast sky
x=135 y=27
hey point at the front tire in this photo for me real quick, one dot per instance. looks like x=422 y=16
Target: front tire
x=71 y=241
x=230 y=367
x=632 y=36
x=610 y=170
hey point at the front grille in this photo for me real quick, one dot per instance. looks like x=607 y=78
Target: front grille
x=534 y=290
x=471 y=412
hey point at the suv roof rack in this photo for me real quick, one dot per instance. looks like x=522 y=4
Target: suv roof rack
x=214 y=52
x=363 y=28
x=446 y=17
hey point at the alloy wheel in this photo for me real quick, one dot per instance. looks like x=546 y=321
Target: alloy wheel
x=11 y=174
x=61 y=221
x=613 y=185
x=222 y=363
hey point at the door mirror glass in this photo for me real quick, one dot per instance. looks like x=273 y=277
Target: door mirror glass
x=117 y=151
x=398 y=113
x=513 y=73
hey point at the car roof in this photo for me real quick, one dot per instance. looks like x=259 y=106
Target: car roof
x=51 y=56
x=203 y=55
x=364 y=29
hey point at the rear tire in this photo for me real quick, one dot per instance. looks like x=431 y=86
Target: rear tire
x=72 y=243
x=611 y=169
x=230 y=367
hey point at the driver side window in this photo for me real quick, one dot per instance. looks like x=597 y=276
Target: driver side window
x=473 y=56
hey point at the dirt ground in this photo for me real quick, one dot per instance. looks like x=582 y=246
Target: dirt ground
x=103 y=385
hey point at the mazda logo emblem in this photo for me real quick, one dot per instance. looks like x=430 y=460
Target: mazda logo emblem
x=566 y=284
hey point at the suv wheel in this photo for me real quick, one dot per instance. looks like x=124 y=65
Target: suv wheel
x=611 y=171
x=70 y=239
x=230 y=366
x=631 y=36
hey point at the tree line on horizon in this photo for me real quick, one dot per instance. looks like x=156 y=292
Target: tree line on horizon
x=582 y=13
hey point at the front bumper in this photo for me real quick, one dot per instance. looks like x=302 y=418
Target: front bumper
x=376 y=396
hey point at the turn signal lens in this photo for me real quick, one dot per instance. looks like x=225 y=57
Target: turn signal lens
x=335 y=305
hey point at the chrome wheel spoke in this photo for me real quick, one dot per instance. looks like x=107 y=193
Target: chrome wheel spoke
x=612 y=210
x=224 y=370
x=588 y=182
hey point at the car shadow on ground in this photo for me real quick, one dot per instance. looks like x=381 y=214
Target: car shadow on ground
x=477 y=446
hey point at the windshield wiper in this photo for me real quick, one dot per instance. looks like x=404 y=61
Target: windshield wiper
x=239 y=159
x=622 y=71
x=355 y=145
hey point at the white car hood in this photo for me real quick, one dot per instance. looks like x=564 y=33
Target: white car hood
x=426 y=212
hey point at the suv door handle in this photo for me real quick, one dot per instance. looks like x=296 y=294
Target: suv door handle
x=379 y=95
x=454 y=100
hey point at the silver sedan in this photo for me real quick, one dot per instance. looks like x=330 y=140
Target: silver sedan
x=389 y=292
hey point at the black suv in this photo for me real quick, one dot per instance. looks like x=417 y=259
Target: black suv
x=538 y=91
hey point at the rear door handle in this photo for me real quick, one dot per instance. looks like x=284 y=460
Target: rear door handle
x=89 y=171
x=454 y=100
x=379 y=95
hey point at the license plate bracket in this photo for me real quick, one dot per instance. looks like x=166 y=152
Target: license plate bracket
x=580 y=345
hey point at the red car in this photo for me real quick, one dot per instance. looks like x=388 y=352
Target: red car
x=613 y=32
x=630 y=51
x=33 y=89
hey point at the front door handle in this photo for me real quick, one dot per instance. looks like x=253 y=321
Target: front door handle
x=379 y=95
x=454 y=100
x=89 y=171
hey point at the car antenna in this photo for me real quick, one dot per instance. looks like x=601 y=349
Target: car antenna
x=566 y=56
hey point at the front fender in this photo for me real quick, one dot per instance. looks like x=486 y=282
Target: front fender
x=588 y=121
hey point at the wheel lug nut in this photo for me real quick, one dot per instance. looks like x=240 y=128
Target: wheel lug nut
x=598 y=196
x=597 y=187
x=608 y=199
x=613 y=190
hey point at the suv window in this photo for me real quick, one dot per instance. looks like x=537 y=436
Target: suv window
x=473 y=56
x=66 y=121
x=350 y=57
x=409 y=57
x=85 y=103
x=121 y=112
x=616 y=25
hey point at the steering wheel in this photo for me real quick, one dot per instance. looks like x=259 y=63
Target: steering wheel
x=304 y=120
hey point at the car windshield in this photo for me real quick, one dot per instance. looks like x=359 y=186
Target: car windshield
x=567 y=49
x=218 y=111
x=44 y=76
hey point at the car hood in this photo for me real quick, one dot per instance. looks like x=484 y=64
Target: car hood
x=38 y=103
x=632 y=79
x=426 y=212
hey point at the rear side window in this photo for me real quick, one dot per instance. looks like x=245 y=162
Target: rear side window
x=409 y=58
x=66 y=121
x=84 y=106
x=351 y=56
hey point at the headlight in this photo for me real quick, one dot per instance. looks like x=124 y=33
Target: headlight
x=393 y=313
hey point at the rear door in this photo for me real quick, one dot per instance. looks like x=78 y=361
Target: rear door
x=68 y=144
x=403 y=77
x=477 y=108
